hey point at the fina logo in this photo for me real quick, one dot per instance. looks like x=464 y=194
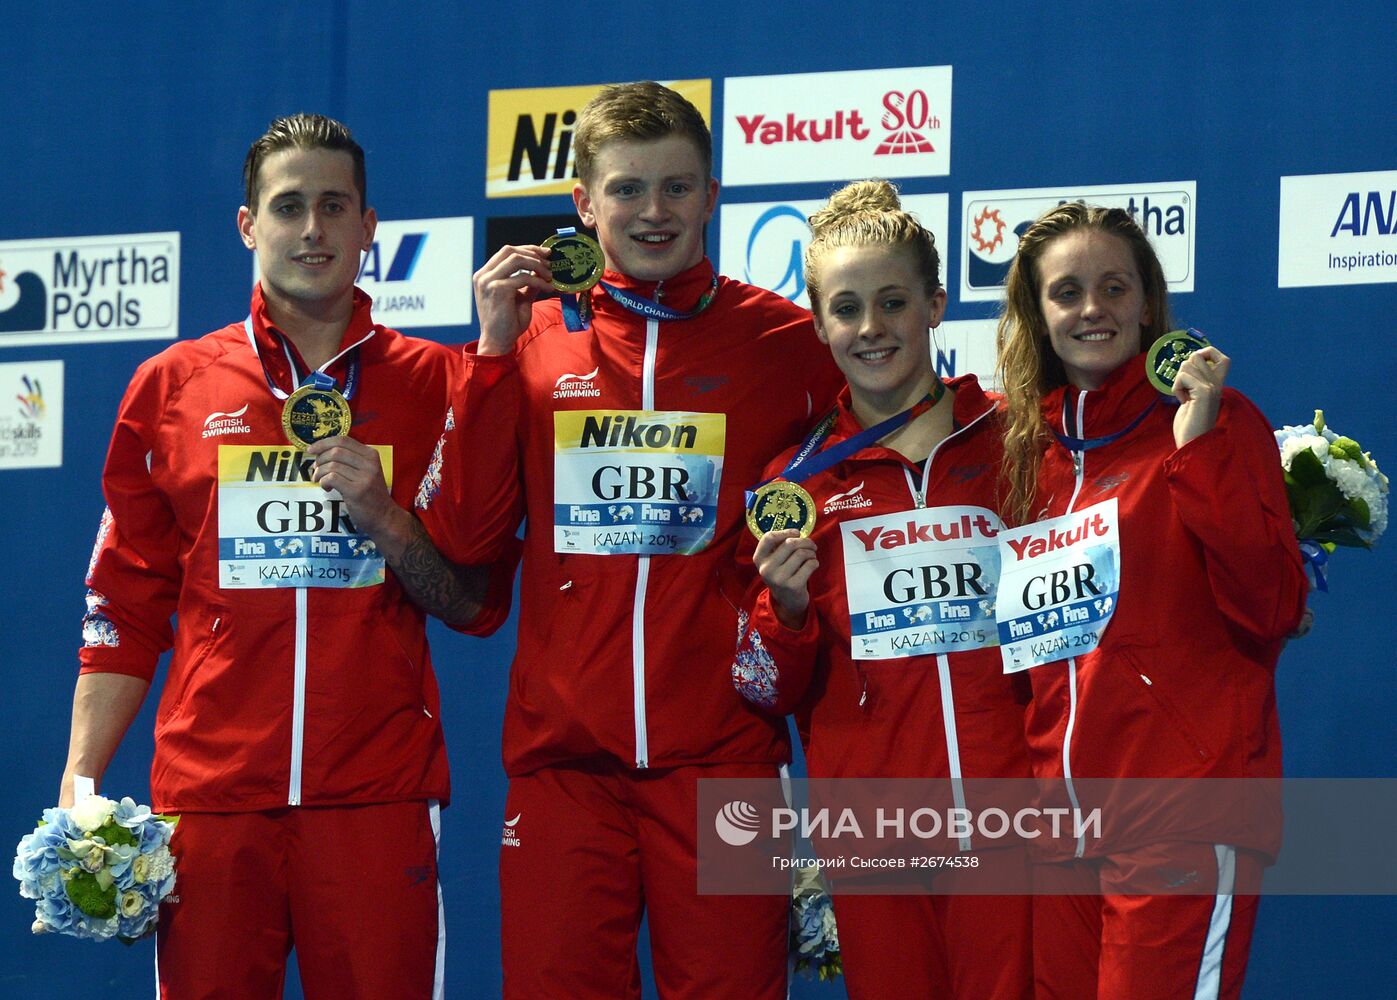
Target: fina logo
x=23 y=302
x=791 y=283
x=737 y=823
x=993 y=242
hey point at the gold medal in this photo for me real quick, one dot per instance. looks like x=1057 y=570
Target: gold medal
x=779 y=505
x=576 y=261
x=1167 y=354
x=312 y=414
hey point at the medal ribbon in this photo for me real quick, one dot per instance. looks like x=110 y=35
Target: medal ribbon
x=1087 y=444
x=651 y=309
x=809 y=460
x=1315 y=558
x=317 y=378
x=576 y=315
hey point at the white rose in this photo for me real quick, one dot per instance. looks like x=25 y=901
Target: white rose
x=92 y=812
x=131 y=903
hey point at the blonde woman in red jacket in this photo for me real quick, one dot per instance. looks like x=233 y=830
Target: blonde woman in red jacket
x=900 y=449
x=1187 y=490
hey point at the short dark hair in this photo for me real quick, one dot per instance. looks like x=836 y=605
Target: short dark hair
x=303 y=131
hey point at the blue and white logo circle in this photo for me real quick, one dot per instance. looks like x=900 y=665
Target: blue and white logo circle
x=737 y=823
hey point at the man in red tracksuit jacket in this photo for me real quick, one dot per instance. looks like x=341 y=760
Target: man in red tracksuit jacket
x=298 y=734
x=628 y=442
x=886 y=717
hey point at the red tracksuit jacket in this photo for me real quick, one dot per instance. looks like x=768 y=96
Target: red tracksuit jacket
x=886 y=718
x=625 y=656
x=1211 y=581
x=276 y=695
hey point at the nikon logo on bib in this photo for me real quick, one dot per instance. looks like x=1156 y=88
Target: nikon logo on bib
x=636 y=482
x=278 y=528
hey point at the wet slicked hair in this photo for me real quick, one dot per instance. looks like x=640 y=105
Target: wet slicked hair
x=303 y=131
x=644 y=111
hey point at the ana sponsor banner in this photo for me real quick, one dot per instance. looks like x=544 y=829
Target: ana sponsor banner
x=763 y=243
x=1338 y=229
x=836 y=126
x=31 y=418
x=418 y=272
x=992 y=221
x=529 y=145
x=82 y=289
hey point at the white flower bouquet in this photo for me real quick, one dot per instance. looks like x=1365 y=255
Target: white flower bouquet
x=97 y=870
x=1337 y=494
x=814 y=935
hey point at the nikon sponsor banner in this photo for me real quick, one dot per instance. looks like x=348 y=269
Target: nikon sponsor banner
x=993 y=221
x=834 y=126
x=31 y=423
x=1338 y=229
x=278 y=528
x=418 y=272
x=529 y=146
x=84 y=289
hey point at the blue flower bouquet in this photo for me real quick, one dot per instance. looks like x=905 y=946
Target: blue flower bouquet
x=814 y=936
x=97 y=870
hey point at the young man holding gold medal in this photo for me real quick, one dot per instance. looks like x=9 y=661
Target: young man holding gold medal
x=298 y=725
x=626 y=420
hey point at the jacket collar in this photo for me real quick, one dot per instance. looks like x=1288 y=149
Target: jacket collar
x=970 y=403
x=1122 y=398
x=680 y=292
x=270 y=339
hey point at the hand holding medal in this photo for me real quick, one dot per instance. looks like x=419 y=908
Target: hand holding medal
x=786 y=560
x=1183 y=364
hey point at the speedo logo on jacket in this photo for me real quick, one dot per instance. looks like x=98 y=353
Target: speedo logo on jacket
x=570 y=386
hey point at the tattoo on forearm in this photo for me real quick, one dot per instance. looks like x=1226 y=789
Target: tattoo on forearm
x=452 y=593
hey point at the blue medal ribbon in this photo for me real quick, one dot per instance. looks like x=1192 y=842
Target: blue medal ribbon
x=1315 y=558
x=319 y=379
x=650 y=309
x=1087 y=444
x=577 y=315
x=809 y=460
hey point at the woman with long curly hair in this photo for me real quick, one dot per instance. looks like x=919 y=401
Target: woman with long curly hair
x=1184 y=495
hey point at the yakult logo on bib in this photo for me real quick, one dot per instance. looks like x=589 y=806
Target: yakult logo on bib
x=218 y=423
x=921 y=581
x=1059 y=585
x=570 y=386
x=848 y=500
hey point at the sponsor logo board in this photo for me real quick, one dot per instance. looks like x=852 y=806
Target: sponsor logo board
x=84 y=289
x=763 y=243
x=833 y=126
x=31 y=419
x=529 y=142
x=1338 y=229
x=992 y=221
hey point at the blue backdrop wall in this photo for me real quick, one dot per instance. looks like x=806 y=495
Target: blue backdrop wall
x=135 y=120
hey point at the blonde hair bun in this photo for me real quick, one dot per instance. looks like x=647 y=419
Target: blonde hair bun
x=856 y=198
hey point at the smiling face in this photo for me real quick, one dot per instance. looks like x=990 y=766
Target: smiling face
x=874 y=312
x=1093 y=304
x=308 y=231
x=649 y=201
